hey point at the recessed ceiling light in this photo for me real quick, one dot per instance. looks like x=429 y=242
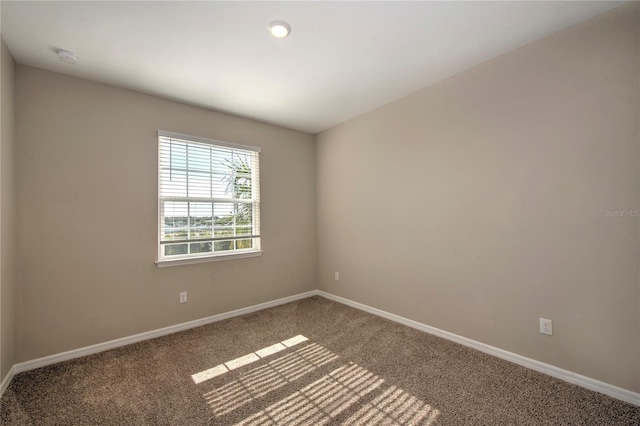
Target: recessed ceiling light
x=67 y=57
x=279 y=29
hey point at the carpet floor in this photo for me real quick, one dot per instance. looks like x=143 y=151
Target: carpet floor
x=311 y=362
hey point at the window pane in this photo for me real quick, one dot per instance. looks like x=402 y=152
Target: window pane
x=243 y=230
x=219 y=185
x=173 y=154
x=244 y=244
x=200 y=221
x=242 y=186
x=223 y=246
x=175 y=249
x=223 y=220
x=173 y=183
x=243 y=213
x=174 y=224
x=201 y=247
x=199 y=158
x=239 y=176
x=199 y=184
x=220 y=159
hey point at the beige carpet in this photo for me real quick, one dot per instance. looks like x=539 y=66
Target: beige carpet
x=309 y=362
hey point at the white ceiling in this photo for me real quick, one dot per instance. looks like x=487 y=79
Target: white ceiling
x=341 y=60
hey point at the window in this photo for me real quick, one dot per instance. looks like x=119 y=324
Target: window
x=208 y=199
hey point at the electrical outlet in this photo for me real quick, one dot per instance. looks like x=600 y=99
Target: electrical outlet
x=546 y=326
x=337 y=276
x=183 y=297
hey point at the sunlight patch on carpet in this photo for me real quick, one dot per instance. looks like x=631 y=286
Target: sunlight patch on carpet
x=323 y=400
x=262 y=380
x=246 y=359
x=394 y=406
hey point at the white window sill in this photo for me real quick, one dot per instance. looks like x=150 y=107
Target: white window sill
x=204 y=259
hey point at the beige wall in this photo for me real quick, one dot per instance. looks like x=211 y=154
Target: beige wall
x=7 y=217
x=87 y=208
x=478 y=205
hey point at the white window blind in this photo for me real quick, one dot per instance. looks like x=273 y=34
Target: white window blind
x=209 y=197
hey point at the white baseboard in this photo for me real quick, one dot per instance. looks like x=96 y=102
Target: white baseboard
x=7 y=379
x=566 y=375
x=100 y=347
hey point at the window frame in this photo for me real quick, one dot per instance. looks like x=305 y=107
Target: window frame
x=162 y=260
